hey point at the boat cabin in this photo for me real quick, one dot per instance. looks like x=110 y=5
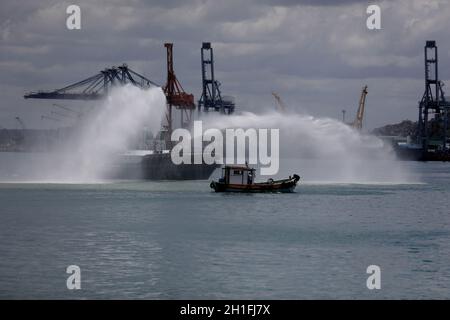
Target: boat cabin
x=238 y=175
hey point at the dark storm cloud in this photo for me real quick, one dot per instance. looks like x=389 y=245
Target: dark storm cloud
x=316 y=54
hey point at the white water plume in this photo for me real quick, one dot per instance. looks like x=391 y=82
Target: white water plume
x=90 y=153
x=323 y=150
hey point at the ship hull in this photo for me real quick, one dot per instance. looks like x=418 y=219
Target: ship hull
x=416 y=154
x=159 y=166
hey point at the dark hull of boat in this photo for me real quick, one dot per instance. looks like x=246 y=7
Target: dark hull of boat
x=281 y=186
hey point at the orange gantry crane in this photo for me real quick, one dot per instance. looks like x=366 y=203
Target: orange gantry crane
x=175 y=94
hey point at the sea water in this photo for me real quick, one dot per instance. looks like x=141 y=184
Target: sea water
x=180 y=240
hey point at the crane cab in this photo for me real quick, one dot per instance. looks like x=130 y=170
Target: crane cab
x=241 y=175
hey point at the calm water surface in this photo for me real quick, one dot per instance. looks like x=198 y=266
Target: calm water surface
x=178 y=240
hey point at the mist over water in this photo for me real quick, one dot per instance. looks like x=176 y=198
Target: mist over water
x=320 y=150
x=323 y=150
x=113 y=126
x=89 y=154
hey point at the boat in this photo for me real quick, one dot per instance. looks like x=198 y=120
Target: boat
x=242 y=179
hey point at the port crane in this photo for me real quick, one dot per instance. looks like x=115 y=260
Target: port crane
x=433 y=105
x=97 y=86
x=212 y=98
x=280 y=104
x=175 y=95
x=358 y=122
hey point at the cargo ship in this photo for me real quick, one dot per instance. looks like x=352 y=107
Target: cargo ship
x=415 y=152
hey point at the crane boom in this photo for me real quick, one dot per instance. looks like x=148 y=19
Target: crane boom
x=358 y=123
x=97 y=86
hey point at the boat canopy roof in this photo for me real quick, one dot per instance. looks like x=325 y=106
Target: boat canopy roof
x=239 y=167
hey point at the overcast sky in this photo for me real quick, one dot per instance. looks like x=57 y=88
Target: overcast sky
x=316 y=54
